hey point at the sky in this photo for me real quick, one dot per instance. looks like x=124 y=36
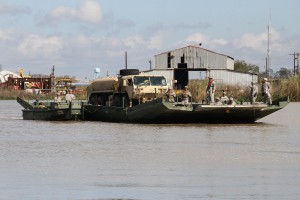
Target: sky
x=77 y=36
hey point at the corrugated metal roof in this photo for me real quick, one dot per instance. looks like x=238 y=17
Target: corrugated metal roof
x=195 y=47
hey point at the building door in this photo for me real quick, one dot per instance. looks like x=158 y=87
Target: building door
x=181 y=74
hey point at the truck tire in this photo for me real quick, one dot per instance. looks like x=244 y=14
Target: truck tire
x=126 y=101
x=100 y=101
x=117 y=101
x=93 y=100
x=126 y=72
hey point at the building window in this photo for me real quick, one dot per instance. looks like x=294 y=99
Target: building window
x=169 y=60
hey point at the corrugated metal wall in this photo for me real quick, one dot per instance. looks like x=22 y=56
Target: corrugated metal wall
x=195 y=57
x=230 y=64
x=232 y=77
x=161 y=61
x=220 y=76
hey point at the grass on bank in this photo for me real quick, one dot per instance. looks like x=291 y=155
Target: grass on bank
x=279 y=88
x=13 y=94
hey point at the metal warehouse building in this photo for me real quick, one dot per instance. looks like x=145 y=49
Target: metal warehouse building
x=179 y=64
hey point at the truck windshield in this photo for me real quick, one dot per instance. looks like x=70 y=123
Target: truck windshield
x=147 y=81
x=158 y=80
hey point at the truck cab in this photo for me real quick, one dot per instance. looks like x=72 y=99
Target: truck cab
x=142 y=88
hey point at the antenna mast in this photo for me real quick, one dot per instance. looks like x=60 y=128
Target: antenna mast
x=268 y=60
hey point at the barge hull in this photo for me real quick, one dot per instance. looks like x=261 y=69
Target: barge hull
x=159 y=111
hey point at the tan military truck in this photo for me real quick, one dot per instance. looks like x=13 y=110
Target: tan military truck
x=128 y=89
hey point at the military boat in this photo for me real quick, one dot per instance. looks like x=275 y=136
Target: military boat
x=161 y=111
x=135 y=97
x=50 y=110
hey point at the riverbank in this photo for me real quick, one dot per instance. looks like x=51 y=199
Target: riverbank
x=13 y=94
x=280 y=88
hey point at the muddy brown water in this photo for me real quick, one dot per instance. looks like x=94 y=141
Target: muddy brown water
x=97 y=160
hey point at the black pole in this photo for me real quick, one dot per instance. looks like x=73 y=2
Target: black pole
x=297 y=68
x=125 y=59
x=294 y=63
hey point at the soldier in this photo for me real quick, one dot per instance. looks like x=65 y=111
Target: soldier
x=69 y=96
x=253 y=92
x=224 y=99
x=231 y=101
x=57 y=99
x=218 y=102
x=185 y=95
x=42 y=105
x=265 y=91
x=210 y=90
x=170 y=94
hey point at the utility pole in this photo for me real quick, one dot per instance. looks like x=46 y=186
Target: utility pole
x=125 y=59
x=150 y=62
x=296 y=63
x=297 y=70
x=52 y=70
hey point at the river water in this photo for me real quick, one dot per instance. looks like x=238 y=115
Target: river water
x=97 y=160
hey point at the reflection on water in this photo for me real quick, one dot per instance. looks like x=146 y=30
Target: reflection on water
x=95 y=160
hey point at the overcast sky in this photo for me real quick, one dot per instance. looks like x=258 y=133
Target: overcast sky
x=79 y=35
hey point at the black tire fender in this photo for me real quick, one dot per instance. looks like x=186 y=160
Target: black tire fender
x=126 y=72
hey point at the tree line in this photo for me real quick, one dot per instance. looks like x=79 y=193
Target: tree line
x=242 y=66
x=283 y=81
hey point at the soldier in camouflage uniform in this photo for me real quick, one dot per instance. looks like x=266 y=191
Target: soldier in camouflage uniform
x=170 y=94
x=265 y=91
x=185 y=95
x=210 y=91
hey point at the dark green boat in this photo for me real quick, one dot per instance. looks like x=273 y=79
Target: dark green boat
x=161 y=111
x=49 y=110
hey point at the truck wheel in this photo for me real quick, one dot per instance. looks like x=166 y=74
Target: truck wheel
x=100 y=101
x=126 y=72
x=117 y=101
x=103 y=100
x=93 y=100
x=126 y=101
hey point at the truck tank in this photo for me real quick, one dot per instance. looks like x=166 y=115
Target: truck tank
x=104 y=84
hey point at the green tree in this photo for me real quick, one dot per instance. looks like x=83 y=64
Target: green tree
x=242 y=66
x=283 y=73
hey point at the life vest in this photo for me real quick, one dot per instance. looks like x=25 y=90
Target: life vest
x=211 y=85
